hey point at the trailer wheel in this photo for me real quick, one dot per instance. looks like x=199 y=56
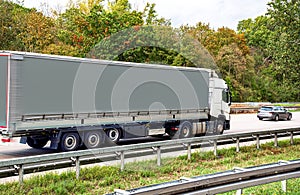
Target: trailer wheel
x=114 y=135
x=93 y=139
x=37 y=143
x=185 y=130
x=69 y=142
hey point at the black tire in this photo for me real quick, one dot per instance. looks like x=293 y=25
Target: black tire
x=93 y=139
x=276 y=118
x=289 y=117
x=219 y=129
x=185 y=130
x=37 y=143
x=260 y=118
x=69 y=142
x=114 y=135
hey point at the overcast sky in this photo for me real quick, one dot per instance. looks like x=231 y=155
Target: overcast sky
x=217 y=13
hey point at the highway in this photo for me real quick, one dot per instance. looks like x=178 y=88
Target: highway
x=250 y=123
x=239 y=123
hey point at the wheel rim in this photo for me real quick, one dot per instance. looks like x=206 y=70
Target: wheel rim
x=70 y=142
x=185 y=131
x=93 y=140
x=114 y=135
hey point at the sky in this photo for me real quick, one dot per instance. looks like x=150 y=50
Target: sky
x=217 y=13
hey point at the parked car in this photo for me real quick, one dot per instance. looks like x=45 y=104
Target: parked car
x=274 y=113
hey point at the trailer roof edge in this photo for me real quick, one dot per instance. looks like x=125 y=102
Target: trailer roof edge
x=99 y=61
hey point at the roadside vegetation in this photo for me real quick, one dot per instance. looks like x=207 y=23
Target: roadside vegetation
x=101 y=180
x=259 y=60
x=290 y=105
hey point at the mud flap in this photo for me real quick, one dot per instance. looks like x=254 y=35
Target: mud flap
x=54 y=143
x=23 y=140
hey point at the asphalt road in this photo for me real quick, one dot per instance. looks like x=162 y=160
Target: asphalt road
x=250 y=123
x=239 y=123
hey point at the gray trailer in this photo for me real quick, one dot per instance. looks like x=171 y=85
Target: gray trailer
x=75 y=102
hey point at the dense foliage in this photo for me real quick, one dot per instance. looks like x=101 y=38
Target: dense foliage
x=260 y=62
x=275 y=41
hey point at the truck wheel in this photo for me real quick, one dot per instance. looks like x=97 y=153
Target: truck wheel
x=93 y=139
x=69 y=142
x=185 y=130
x=37 y=142
x=114 y=135
x=219 y=127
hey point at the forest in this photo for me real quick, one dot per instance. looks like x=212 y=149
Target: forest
x=260 y=60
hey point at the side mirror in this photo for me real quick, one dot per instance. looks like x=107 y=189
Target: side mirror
x=229 y=98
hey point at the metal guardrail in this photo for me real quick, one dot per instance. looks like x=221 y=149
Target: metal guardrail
x=222 y=182
x=21 y=166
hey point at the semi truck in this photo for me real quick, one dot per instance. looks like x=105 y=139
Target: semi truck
x=85 y=103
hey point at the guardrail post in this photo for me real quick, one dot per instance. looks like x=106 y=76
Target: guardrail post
x=158 y=156
x=283 y=186
x=257 y=142
x=21 y=174
x=77 y=164
x=275 y=140
x=20 y=171
x=122 y=161
x=292 y=138
x=237 y=144
x=239 y=192
x=189 y=151
x=215 y=148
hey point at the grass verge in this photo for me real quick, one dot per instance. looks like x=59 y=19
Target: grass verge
x=101 y=180
x=291 y=104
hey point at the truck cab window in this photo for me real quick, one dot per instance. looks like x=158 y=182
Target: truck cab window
x=225 y=96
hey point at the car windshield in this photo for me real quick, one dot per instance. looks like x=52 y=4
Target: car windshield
x=266 y=108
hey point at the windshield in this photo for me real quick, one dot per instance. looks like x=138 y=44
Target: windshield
x=266 y=108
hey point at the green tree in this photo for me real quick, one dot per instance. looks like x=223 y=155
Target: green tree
x=237 y=69
x=38 y=32
x=119 y=6
x=232 y=56
x=83 y=30
x=274 y=40
x=11 y=25
x=257 y=32
x=285 y=47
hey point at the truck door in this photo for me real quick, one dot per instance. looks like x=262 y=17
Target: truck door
x=3 y=89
